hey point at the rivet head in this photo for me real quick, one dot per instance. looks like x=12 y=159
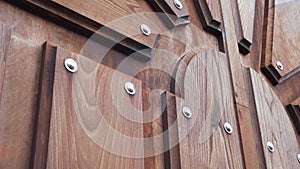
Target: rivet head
x=129 y=88
x=228 y=128
x=279 y=65
x=270 y=146
x=186 y=112
x=178 y=4
x=71 y=65
x=145 y=29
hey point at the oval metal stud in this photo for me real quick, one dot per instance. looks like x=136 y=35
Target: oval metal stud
x=129 y=88
x=279 y=65
x=228 y=128
x=145 y=29
x=178 y=4
x=298 y=158
x=71 y=65
x=186 y=112
x=270 y=146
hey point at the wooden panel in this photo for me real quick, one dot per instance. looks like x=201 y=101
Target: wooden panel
x=88 y=18
x=19 y=70
x=244 y=23
x=281 y=41
x=94 y=122
x=210 y=15
x=174 y=17
x=202 y=140
x=275 y=126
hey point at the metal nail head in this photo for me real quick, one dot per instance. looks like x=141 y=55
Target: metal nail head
x=298 y=158
x=228 y=128
x=186 y=112
x=129 y=88
x=71 y=65
x=178 y=4
x=270 y=146
x=279 y=65
x=145 y=29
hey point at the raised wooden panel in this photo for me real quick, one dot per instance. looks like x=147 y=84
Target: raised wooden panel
x=94 y=123
x=244 y=12
x=210 y=15
x=203 y=142
x=121 y=21
x=275 y=126
x=174 y=16
x=19 y=70
x=281 y=41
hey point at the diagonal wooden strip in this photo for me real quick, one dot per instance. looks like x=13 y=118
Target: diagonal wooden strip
x=210 y=15
x=174 y=17
x=84 y=22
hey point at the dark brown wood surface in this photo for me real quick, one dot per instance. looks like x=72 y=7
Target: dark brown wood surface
x=185 y=67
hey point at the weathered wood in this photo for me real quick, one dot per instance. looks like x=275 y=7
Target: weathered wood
x=275 y=126
x=90 y=113
x=43 y=112
x=174 y=17
x=294 y=111
x=19 y=70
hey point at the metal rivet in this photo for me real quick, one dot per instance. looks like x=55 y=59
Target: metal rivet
x=186 y=112
x=279 y=65
x=270 y=146
x=298 y=158
x=145 y=29
x=71 y=65
x=228 y=128
x=129 y=88
x=178 y=4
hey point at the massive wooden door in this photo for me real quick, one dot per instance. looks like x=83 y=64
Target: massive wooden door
x=149 y=84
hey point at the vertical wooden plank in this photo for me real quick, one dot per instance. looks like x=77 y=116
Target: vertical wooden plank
x=202 y=139
x=93 y=120
x=43 y=111
x=19 y=70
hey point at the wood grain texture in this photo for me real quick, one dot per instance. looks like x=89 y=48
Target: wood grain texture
x=275 y=126
x=174 y=17
x=90 y=113
x=244 y=23
x=248 y=132
x=43 y=111
x=282 y=36
x=202 y=140
x=19 y=70
x=127 y=39
x=294 y=112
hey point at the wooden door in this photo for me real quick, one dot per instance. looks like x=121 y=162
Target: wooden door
x=149 y=84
